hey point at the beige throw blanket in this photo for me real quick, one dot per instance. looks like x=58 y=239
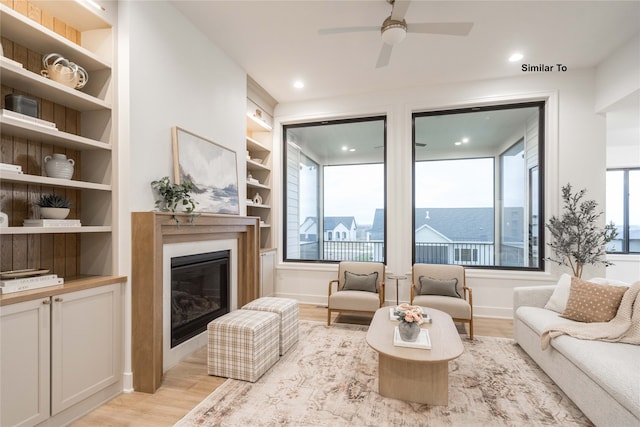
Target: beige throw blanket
x=624 y=327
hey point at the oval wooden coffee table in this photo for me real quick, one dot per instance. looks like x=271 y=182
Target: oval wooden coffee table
x=411 y=374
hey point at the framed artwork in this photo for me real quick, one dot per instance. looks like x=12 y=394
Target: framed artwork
x=210 y=168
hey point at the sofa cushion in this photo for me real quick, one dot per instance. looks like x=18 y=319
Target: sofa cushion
x=590 y=302
x=558 y=300
x=614 y=366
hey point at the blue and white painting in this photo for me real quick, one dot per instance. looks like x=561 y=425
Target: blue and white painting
x=210 y=168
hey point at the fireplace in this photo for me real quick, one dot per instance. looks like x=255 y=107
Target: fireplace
x=199 y=292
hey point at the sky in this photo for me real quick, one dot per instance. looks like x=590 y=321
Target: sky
x=358 y=190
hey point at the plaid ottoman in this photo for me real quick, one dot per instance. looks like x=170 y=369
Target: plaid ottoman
x=287 y=309
x=243 y=344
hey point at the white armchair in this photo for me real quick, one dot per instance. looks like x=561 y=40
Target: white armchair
x=443 y=287
x=359 y=288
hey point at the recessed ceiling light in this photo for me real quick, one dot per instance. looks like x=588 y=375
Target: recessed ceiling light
x=345 y=148
x=457 y=143
x=465 y=140
x=516 y=57
x=352 y=149
x=298 y=84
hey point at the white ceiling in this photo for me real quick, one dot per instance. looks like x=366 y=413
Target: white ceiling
x=276 y=42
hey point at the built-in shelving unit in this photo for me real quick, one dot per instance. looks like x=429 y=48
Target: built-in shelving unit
x=85 y=132
x=259 y=174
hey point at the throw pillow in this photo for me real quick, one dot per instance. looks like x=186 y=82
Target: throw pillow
x=558 y=300
x=431 y=286
x=360 y=282
x=590 y=302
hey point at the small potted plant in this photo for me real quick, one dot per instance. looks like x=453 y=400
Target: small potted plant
x=53 y=206
x=576 y=238
x=173 y=196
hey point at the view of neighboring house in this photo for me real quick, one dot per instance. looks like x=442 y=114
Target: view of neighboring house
x=339 y=228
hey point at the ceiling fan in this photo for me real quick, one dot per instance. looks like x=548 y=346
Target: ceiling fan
x=394 y=29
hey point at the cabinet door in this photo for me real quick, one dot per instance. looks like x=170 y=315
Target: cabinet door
x=85 y=344
x=24 y=363
x=267 y=273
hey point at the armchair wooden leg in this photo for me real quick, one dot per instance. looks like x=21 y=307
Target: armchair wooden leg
x=328 y=317
x=471 y=329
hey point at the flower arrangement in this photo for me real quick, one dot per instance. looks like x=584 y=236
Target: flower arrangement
x=409 y=313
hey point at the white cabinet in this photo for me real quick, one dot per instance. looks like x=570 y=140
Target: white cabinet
x=267 y=273
x=24 y=363
x=59 y=354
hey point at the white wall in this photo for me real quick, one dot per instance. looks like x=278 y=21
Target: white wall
x=169 y=75
x=618 y=98
x=575 y=153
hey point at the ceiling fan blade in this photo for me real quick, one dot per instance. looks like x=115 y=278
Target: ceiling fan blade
x=399 y=9
x=446 y=28
x=384 y=56
x=339 y=30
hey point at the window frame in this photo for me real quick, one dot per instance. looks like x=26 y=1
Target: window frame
x=626 y=242
x=324 y=122
x=542 y=106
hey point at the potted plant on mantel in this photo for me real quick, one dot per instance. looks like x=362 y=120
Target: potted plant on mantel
x=173 y=196
x=576 y=238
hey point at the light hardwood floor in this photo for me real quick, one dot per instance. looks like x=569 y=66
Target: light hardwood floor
x=187 y=383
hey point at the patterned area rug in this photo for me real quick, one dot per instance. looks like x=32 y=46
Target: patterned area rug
x=330 y=379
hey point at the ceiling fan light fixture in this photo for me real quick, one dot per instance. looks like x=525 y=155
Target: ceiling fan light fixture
x=393 y=32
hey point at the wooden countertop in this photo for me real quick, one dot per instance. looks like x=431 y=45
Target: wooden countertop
x=71 y=285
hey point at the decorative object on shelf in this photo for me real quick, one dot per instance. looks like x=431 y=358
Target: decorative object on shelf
x=58 y=166
x=22 y=104
x=4 y=220
x=53 y=206
x=575 y=237
x=257 y=199
x=210 y=168
x=173 y=196
x=61 y=70
x=410 y=317
x=8 y=167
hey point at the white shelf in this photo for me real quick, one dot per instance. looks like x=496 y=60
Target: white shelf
x=13 y=127
x=54 y=182
x=253 y=145
x=260 y=186
x=256 y=124
x=252 y=165
x=16 y=26
x=253 y=205
x=36 y=85
x=55 y=230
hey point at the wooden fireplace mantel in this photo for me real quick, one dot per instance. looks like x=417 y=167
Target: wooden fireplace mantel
x=150 y=231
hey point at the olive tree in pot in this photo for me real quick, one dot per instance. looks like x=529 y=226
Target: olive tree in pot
x=576 y=238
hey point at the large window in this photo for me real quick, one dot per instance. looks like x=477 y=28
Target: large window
x=477 y=186
x=335 y=190
x=623 y=209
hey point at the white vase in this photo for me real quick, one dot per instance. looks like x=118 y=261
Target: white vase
x=58 y=166
x=409 y=331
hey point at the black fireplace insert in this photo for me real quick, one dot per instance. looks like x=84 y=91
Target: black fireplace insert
x=199 y=292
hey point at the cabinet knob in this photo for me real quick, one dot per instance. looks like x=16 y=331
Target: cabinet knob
x=58 y=299
x=46 y=302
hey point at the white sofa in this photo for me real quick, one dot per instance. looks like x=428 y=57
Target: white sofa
x=601 y=378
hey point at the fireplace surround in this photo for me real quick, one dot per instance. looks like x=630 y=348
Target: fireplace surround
x=151 y=231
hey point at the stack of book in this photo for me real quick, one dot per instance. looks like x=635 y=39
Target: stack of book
x=51 y=223
x=24 y=280
x=27 y=119
x=8 y=167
